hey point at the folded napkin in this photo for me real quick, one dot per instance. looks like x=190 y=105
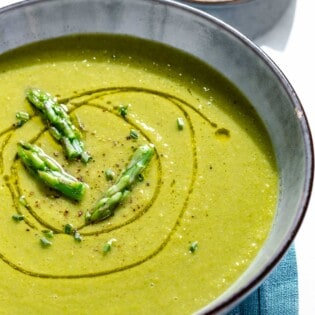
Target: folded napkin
x=278 y=294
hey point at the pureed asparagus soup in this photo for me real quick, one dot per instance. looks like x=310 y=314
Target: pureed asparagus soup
x=190 y=219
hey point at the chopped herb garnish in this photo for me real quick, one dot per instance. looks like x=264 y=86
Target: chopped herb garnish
x=123 y=111
x=68 y=228
x=22 y=118
x=45 y=242
x=193 y=247
x=140 y=177
x=108 y=246
x=88 y=216
x=77 y=236
x=22 y=115
x=180 y=123
x=48 y=233
x=110 y=174
x=22 y=201
x=18 y=217
x=133 y=134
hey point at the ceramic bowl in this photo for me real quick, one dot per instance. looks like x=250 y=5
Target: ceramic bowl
x=226 y=50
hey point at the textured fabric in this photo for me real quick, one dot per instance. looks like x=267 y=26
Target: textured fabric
x=277 y=295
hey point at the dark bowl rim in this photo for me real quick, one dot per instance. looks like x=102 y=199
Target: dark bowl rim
x=309 y=161
x=215 y=3
x=236 y=298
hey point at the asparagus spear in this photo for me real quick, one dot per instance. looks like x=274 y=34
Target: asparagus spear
x=49 y=171
x=59 y=122
x=114 y=195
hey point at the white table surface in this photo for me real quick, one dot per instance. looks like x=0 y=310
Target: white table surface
x=291 y=44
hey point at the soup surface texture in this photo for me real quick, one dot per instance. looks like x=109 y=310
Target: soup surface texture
x=190 y=226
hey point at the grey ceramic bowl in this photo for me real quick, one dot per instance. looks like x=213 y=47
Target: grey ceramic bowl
x=224 y=49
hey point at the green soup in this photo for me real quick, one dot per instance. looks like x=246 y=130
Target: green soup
x=186 y=232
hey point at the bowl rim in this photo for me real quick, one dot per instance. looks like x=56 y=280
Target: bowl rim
x=237 y=297
x=214 y=3
x=244 y=291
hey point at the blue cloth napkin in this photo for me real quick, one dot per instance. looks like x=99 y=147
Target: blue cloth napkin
x=278 y=294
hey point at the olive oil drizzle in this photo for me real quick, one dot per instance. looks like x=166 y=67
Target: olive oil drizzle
x=86 y=99
x=5 y=142
x=97 y=93
x=158 y=185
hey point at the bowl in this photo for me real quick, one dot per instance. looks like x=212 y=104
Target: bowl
x=230 y=53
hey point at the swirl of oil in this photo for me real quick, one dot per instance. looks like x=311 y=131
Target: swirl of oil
x=102 y=228
x=88 y=98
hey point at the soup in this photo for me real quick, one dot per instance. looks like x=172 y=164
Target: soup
x=188 y=229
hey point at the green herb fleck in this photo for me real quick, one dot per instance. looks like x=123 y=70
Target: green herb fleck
x=68 y=228
x=193 y=247
x=88 y=216
x=22 y=118
x=48 y=233
x=77 y=236
x=123 y=111
x=108 y=246
x=133 y=134
x=110 y=174
x=22 y=201
x=45 y=242
x=180 y=123
x=18 y=217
